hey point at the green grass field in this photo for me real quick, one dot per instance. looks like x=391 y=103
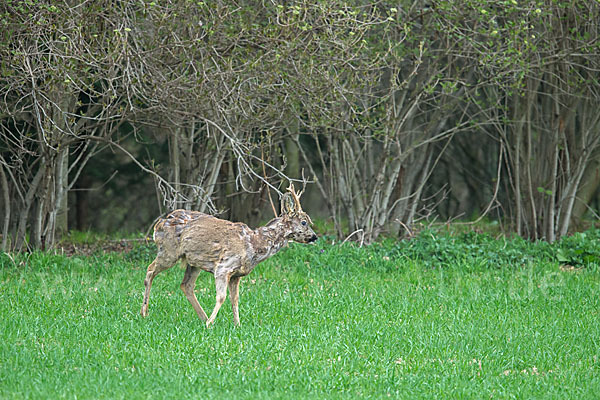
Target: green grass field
x=434 y=317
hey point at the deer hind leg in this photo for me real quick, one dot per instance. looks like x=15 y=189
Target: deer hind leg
x=158 y=265
x=188 y=285
x=234 y=296
x=221 y=282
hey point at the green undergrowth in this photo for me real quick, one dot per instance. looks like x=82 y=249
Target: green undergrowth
x=438 y=316
x=90 y=237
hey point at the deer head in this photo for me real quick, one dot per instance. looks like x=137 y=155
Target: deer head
x=297 y=221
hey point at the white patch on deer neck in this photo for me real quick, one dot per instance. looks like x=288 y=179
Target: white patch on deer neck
x=265 y=241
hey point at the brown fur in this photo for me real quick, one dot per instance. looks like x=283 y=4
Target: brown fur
x=226 y=249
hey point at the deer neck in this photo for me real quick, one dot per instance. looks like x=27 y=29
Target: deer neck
x=268 y=240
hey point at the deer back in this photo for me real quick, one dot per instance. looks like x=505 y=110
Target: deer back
x=202 y=239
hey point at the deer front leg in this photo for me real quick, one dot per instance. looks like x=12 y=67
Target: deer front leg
x=234 y=296
x=221 y=282
x=188 y=285
x=157 y=266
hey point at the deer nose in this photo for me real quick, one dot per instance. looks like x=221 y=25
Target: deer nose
x=313 y=238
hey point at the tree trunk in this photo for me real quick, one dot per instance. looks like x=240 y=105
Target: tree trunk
x=28 y=202
x=6 y=197
x=61 y=190
x=292 y=156
x=590 y=183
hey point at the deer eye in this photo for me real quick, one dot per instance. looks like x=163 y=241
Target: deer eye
x=303 y=223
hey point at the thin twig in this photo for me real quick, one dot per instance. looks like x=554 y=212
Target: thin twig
x=352 y=234
x=262 y=156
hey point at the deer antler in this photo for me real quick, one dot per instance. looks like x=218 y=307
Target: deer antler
x=296 y=208
x=296 y=197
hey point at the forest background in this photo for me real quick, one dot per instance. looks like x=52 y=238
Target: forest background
x=114 y=112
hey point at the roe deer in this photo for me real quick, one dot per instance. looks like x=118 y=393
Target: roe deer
x=227 y=250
